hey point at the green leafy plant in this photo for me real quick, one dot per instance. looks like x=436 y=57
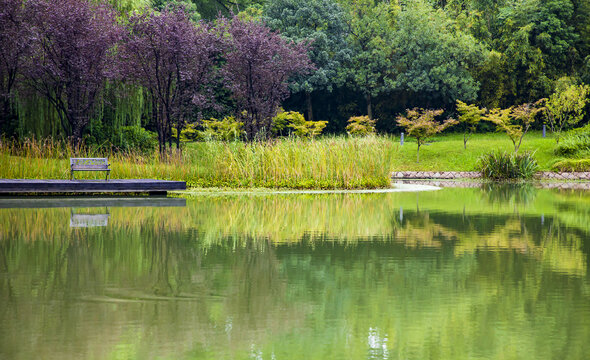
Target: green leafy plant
x=514 y=121
x=573 y=146
x=566 y=108
x=500 y=166
x=420 y=124
x=575 y=143
x=294 y=123
x=137 y=139
x=361 y=126
x=470 y=115
x=228 y=129
x=188 y=133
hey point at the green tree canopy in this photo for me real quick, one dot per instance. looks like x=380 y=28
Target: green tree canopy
x=322 y=24
x=371 y=29
x=433 y=58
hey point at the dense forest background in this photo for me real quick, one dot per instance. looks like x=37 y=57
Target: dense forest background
x=369 y=57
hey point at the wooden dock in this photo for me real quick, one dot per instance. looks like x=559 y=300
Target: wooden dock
x=23 y=186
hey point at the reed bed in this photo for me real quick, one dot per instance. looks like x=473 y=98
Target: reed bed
x=324 y=163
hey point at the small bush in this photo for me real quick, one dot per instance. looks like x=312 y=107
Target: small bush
x=188 y=133
x=572 y=165
x=136 y=139
x=573 y=145
x=228 y=129
x=360 y=126
x=503 y=166
x=294 y=123
x=574 y=142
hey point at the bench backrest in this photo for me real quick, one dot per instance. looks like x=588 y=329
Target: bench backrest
x=89 y=163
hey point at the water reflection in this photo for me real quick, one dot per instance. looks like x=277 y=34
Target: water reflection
x=459 y=273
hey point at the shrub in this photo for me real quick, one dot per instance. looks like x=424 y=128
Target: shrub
x=572 y=165
x=228 y=129
x=574 y=142
x=136 y=139
x=360 y=126
x=297 y=124
x=565 y=108
x=188 y=133
x=573 y=145
x=500 y=166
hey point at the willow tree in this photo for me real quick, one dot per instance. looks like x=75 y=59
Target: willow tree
x=72 y=43
x=14 y=45
x=173 y=60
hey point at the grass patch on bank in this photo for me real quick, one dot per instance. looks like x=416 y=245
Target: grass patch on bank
x=331 y=162
x=445 y=152
x=327 y=163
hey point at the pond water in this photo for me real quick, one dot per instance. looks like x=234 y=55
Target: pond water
x=493 y=273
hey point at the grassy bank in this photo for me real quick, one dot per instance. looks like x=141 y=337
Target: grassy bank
x=446 y=152
x=332 y=162
x=325 y=163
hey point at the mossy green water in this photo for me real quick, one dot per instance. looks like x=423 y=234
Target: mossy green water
x=457 y=273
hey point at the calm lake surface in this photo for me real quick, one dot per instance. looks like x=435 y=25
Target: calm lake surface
x=493 y=273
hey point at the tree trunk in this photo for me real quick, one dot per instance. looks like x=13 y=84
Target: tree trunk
x=8 y=117
x=309 y=106
x=369 y=107
x=418 y=153
x=465 y=141
x=77 y=123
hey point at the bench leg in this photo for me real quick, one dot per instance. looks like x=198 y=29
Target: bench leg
x=107 y=177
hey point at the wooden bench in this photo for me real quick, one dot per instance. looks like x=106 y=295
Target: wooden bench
x=89 y=164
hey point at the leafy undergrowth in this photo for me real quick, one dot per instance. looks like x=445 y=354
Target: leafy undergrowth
x=572 y=165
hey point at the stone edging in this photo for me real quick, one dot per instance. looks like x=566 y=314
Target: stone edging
x=435 y=175
x=453 y=175
x=479 y=184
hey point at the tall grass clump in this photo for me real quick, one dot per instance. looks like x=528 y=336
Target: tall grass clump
x=323 y=163
x=501 y=166
x=575 y=143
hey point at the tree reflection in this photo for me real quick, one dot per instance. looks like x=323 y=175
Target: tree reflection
x=339 y=276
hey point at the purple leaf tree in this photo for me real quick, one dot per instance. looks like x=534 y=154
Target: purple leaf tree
x=259 y=63
x=14 y=46
x=173 y=59
x=72 y=56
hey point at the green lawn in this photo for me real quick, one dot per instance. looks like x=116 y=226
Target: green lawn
x=446 y=153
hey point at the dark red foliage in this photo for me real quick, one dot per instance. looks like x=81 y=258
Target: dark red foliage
x=173 y=59
x=259 y=63
x=14 y=46
x=72 y=43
